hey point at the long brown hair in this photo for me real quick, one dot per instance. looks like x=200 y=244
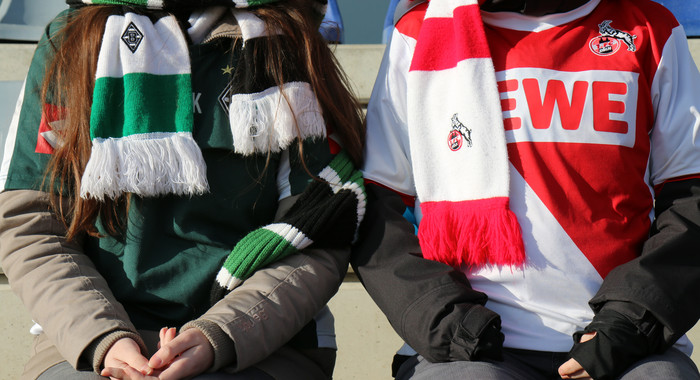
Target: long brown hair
x=70 y=80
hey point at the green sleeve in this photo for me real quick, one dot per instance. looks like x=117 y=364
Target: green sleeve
x=28 y=154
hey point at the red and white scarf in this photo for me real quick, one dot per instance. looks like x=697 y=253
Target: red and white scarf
x=458 y=148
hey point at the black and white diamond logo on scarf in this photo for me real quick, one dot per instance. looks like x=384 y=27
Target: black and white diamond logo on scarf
x=132 y=37
x=225 y=98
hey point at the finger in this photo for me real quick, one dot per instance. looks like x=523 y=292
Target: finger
x=165 y=335
x=126 y=352
x=178 y=369
x=578 y=375
x=188 y=364
x=126 y=373
x=134 y=359
x=587 y=337
x=135 y=375
x=112 y=373
x=171 y=350
x=161 y=334
x=581 y=375
x=170 y=334
x=571 y=366
x=572 y=370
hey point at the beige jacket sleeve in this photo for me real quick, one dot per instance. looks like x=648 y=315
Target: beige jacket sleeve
x=270 y=307
x=56 y=282
x=65 y=294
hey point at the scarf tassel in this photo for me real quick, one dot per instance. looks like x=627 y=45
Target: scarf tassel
x=151 y=164
x=475 y=233
x=272 y=119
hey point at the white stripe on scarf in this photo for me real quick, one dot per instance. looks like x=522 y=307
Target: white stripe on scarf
x=463 y=191
x=149 y=57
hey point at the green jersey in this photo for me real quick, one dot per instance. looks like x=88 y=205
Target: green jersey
x=163 y=266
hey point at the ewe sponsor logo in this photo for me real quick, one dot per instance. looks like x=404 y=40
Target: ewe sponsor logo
x=595 y=107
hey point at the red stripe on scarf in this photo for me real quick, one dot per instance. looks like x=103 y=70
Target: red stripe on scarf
x=474 y=233
x=451 y=40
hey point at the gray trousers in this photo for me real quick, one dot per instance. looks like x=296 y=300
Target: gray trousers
x=64 y=371
x=284 y=364
x=537 y=365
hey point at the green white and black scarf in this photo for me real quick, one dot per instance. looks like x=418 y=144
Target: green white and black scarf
x=141 y=129
x=141 y=119
x=328 y=211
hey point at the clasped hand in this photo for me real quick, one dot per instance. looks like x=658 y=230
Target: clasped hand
x=178 y=357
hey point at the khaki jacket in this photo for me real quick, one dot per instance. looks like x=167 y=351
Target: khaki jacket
x=65 y=294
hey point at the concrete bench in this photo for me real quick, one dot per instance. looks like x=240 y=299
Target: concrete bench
x=366 y=340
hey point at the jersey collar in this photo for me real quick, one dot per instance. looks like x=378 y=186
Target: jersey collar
x=517 y=21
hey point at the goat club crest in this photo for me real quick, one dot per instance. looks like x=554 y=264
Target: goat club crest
x=611 y=39
x=459 y=134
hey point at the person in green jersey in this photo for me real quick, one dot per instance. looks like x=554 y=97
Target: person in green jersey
x=179 y=192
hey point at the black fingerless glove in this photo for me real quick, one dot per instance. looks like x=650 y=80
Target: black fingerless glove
x=620 y=341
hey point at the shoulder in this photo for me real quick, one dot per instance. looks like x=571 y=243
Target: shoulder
x=648 y=22
x=59 y=22
x=409 y=19
x=51 y=37
x=651 y=9
x=649 y=12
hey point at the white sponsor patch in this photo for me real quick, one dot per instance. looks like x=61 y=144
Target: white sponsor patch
x=594 y=107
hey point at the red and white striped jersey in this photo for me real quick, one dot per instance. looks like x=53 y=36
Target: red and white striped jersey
x=600 y=106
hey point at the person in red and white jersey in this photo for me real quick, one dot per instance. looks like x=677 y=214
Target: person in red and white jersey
x=549 y=152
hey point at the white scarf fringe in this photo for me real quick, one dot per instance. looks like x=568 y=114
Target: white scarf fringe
x=131 y=164
x=270 y=120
